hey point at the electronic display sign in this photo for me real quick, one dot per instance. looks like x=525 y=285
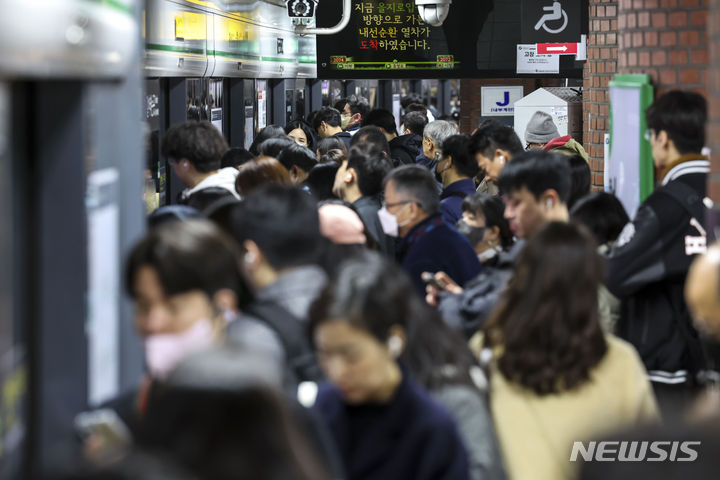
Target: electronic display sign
x=388 y=39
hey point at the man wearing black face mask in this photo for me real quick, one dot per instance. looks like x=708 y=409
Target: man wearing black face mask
x=455 y=170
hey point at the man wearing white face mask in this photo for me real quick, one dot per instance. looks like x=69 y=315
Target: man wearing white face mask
x=427 y=243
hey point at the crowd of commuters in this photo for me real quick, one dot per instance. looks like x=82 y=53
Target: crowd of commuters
x=345 y=300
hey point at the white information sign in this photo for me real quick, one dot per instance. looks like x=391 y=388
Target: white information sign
x=103 y=323
x=528 y=61
x=500 y=101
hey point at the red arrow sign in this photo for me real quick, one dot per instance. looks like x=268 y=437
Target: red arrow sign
x=557 y=48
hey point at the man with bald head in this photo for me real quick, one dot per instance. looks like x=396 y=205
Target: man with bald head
x=702 y=292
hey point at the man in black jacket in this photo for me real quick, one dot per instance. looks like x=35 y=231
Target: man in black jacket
x=403 y=149
x=647 y=267
x=359 y=182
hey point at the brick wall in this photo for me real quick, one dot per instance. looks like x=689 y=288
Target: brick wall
x=601 y=65
x=471 y=99
x=713 y=89
x=666 y=39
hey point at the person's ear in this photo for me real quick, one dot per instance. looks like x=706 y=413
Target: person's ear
x=226 y=301
x=396 y=342
x=253 y=255
x=550 y=198
x=662 y=139
x=502 y=156
x=350 y=175
x=493 y=234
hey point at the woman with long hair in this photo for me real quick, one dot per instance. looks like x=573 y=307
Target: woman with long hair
x=555 y=377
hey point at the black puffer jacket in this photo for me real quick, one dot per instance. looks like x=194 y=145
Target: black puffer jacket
x=646 y=270
x=405 y=148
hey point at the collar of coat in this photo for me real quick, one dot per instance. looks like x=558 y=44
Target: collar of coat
x=688 y=157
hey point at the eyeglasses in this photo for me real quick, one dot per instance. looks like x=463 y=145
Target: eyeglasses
x=395 y=204
x=648 y=134
x=533 y=146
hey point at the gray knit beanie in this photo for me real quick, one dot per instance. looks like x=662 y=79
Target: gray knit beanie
x=541 y=128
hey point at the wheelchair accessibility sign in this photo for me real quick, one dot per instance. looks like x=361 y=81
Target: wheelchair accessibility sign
x=552 y=21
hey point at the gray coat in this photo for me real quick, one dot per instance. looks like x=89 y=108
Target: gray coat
x=470 y=412
x=295 y=291
x=466 y=312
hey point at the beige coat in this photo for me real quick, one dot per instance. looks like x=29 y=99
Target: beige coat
x=536 y=433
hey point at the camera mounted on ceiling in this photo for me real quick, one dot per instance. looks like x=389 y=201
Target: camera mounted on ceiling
x=301 y=11
x=433 y=12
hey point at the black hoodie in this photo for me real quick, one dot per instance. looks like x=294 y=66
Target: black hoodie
x=405 y=148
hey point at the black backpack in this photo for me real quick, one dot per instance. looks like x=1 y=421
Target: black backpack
x=299 y=356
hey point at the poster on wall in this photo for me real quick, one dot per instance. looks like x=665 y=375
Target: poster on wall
x=103 y=321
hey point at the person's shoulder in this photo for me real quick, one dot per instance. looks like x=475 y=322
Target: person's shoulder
x=619 y=349
x=328 y=400
x=431 y=414
x=251 y=332
x=459 y=396
x=448 y=235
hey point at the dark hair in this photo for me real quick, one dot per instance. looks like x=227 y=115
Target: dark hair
x=339 y=104
x=320 y=180
x=330 y=143
x=358 y=105
x=418 y=183
x=191 y=255
x=415 y=122
x=369 y=293
x=683 y=116
x=492 y=135
x=371 y=135
x=235 y=157
x=602 y=214
x=199 y=142
x=307 y=130
x=283 y=221
x=458 y=147
x=334 y=155
x=275 y=146
x=581 y=179
x=220 y=213
x=381 y=118
x=493 y=209
x=246 y=432
x=547 y=320
x=271 y=131
x=257 y=173
x=298 y=155
x=172 y=213
x=537 y=171
x=205 y=198
x=328 y=115
x=374 y=294
x=410 y=99
x=370 y=166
